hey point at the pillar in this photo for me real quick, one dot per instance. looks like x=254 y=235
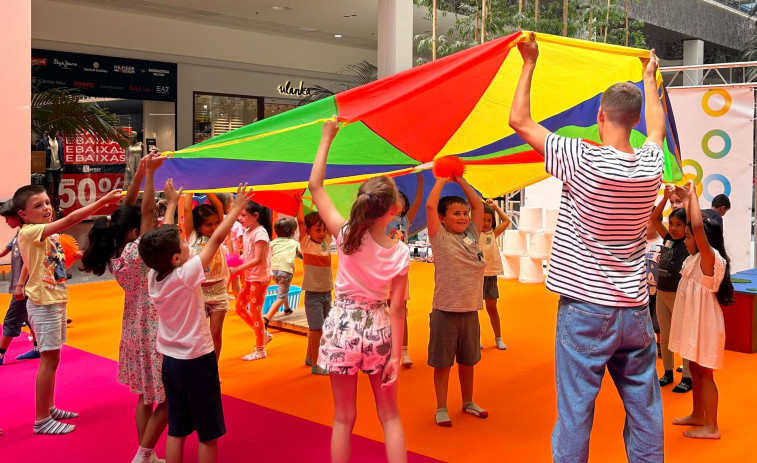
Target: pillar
x=15 y=117
x=693 y=53
x=395 y=36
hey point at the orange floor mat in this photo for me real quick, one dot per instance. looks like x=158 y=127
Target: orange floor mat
x=516 y=386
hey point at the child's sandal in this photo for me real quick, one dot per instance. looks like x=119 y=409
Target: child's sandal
x=475 y=410
x=442 y=418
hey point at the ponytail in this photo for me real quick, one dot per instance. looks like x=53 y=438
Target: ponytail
x=374 y=199
x=264 y=215
x=107 y=236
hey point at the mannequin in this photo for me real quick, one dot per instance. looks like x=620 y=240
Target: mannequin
x=52 y=145
x=134 y=154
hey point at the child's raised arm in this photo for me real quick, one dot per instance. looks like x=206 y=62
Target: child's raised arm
x=477 y=207
x=417 y=200
x=172 y=200
x=656 y=218
x=653 y=113
x=132 y=194
x=301 y=218
x=520 y=112
x=243 y=195
x=152 y=163
x=504 y=220
x=188 y=220
x=78 y=215
x=216 y=203
x=432 y=202
x=694 y=214
x=329 y=214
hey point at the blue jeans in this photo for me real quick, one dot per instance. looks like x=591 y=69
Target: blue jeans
x=589 y=338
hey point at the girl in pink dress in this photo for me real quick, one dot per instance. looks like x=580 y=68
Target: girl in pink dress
x=113 y=243
x=697 y=330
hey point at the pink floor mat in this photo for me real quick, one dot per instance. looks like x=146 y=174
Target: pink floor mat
x=86 y=383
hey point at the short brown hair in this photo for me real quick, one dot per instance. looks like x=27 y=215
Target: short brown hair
x=313 y=219
x=285 y=227
x=621 y=103
x=158 y=246
x=22 y=195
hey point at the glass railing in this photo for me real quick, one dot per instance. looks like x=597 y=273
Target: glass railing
x=745 y=6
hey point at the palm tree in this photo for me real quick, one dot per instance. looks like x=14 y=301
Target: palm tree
x=61 y=111
x=565 y=18
x=360 y=74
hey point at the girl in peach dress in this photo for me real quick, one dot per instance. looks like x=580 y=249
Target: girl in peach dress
x=697 y=330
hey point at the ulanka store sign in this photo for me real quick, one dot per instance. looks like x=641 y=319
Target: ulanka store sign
x=287 y=89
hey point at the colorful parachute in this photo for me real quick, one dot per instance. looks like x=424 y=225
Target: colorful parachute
x=457 y=105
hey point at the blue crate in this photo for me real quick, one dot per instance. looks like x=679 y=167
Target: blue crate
x=270 y=298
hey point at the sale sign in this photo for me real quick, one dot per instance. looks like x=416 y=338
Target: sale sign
x=79 y=190
x=86 y=149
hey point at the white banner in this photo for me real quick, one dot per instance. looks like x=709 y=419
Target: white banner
x=716 y=131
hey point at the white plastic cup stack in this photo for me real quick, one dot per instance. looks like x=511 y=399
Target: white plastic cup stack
x=510 y=267
x=540 y=246
x=531 y=220
x=515 y=243
x=531 y=270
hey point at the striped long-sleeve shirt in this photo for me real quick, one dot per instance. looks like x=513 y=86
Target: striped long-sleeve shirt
x=607 y=198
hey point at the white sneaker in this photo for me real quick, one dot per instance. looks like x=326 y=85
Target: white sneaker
x=500 y=344
x=268 y=338
x=154 y=459
x=406 y=360
x=257 y=354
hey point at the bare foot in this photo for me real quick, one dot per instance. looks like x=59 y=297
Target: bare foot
x=703 y=433
x=689 y=421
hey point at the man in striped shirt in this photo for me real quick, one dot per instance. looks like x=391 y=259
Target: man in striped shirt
x=597 y=264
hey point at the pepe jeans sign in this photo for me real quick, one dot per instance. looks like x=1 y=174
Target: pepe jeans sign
x=105 y=76
x=287 y=89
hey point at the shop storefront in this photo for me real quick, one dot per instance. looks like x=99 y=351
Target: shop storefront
x=142 y=95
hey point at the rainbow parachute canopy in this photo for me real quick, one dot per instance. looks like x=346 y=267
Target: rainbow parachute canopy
x=457 y=105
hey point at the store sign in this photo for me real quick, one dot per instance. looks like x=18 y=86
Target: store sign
x=287 y=89
x=105 y=76
x=79 y=190
x=86 y=149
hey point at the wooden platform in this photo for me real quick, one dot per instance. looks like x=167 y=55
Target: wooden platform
x=295 y=323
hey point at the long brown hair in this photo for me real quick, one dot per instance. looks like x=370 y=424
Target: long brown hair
x=374 y=199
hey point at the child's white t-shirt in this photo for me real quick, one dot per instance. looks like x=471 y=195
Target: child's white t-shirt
x=368 y=272
x=488 y=243
x=183 y=332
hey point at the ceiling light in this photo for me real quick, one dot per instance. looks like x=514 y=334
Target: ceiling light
x=281 y=8
x=339 y=36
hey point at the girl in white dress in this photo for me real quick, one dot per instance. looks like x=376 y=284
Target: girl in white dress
x=697 y=329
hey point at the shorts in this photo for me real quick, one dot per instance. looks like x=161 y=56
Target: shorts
x=317 y=307
x=15 y=318
x=284 y=281
x=357 y=336
x=216 y=297
x=454 y=336
x=193 y=392
x=491 y=290
x=49 y=324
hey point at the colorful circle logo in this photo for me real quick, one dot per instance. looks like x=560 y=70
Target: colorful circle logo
x=706 y=143
x=715 y=178
x=727 y=100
